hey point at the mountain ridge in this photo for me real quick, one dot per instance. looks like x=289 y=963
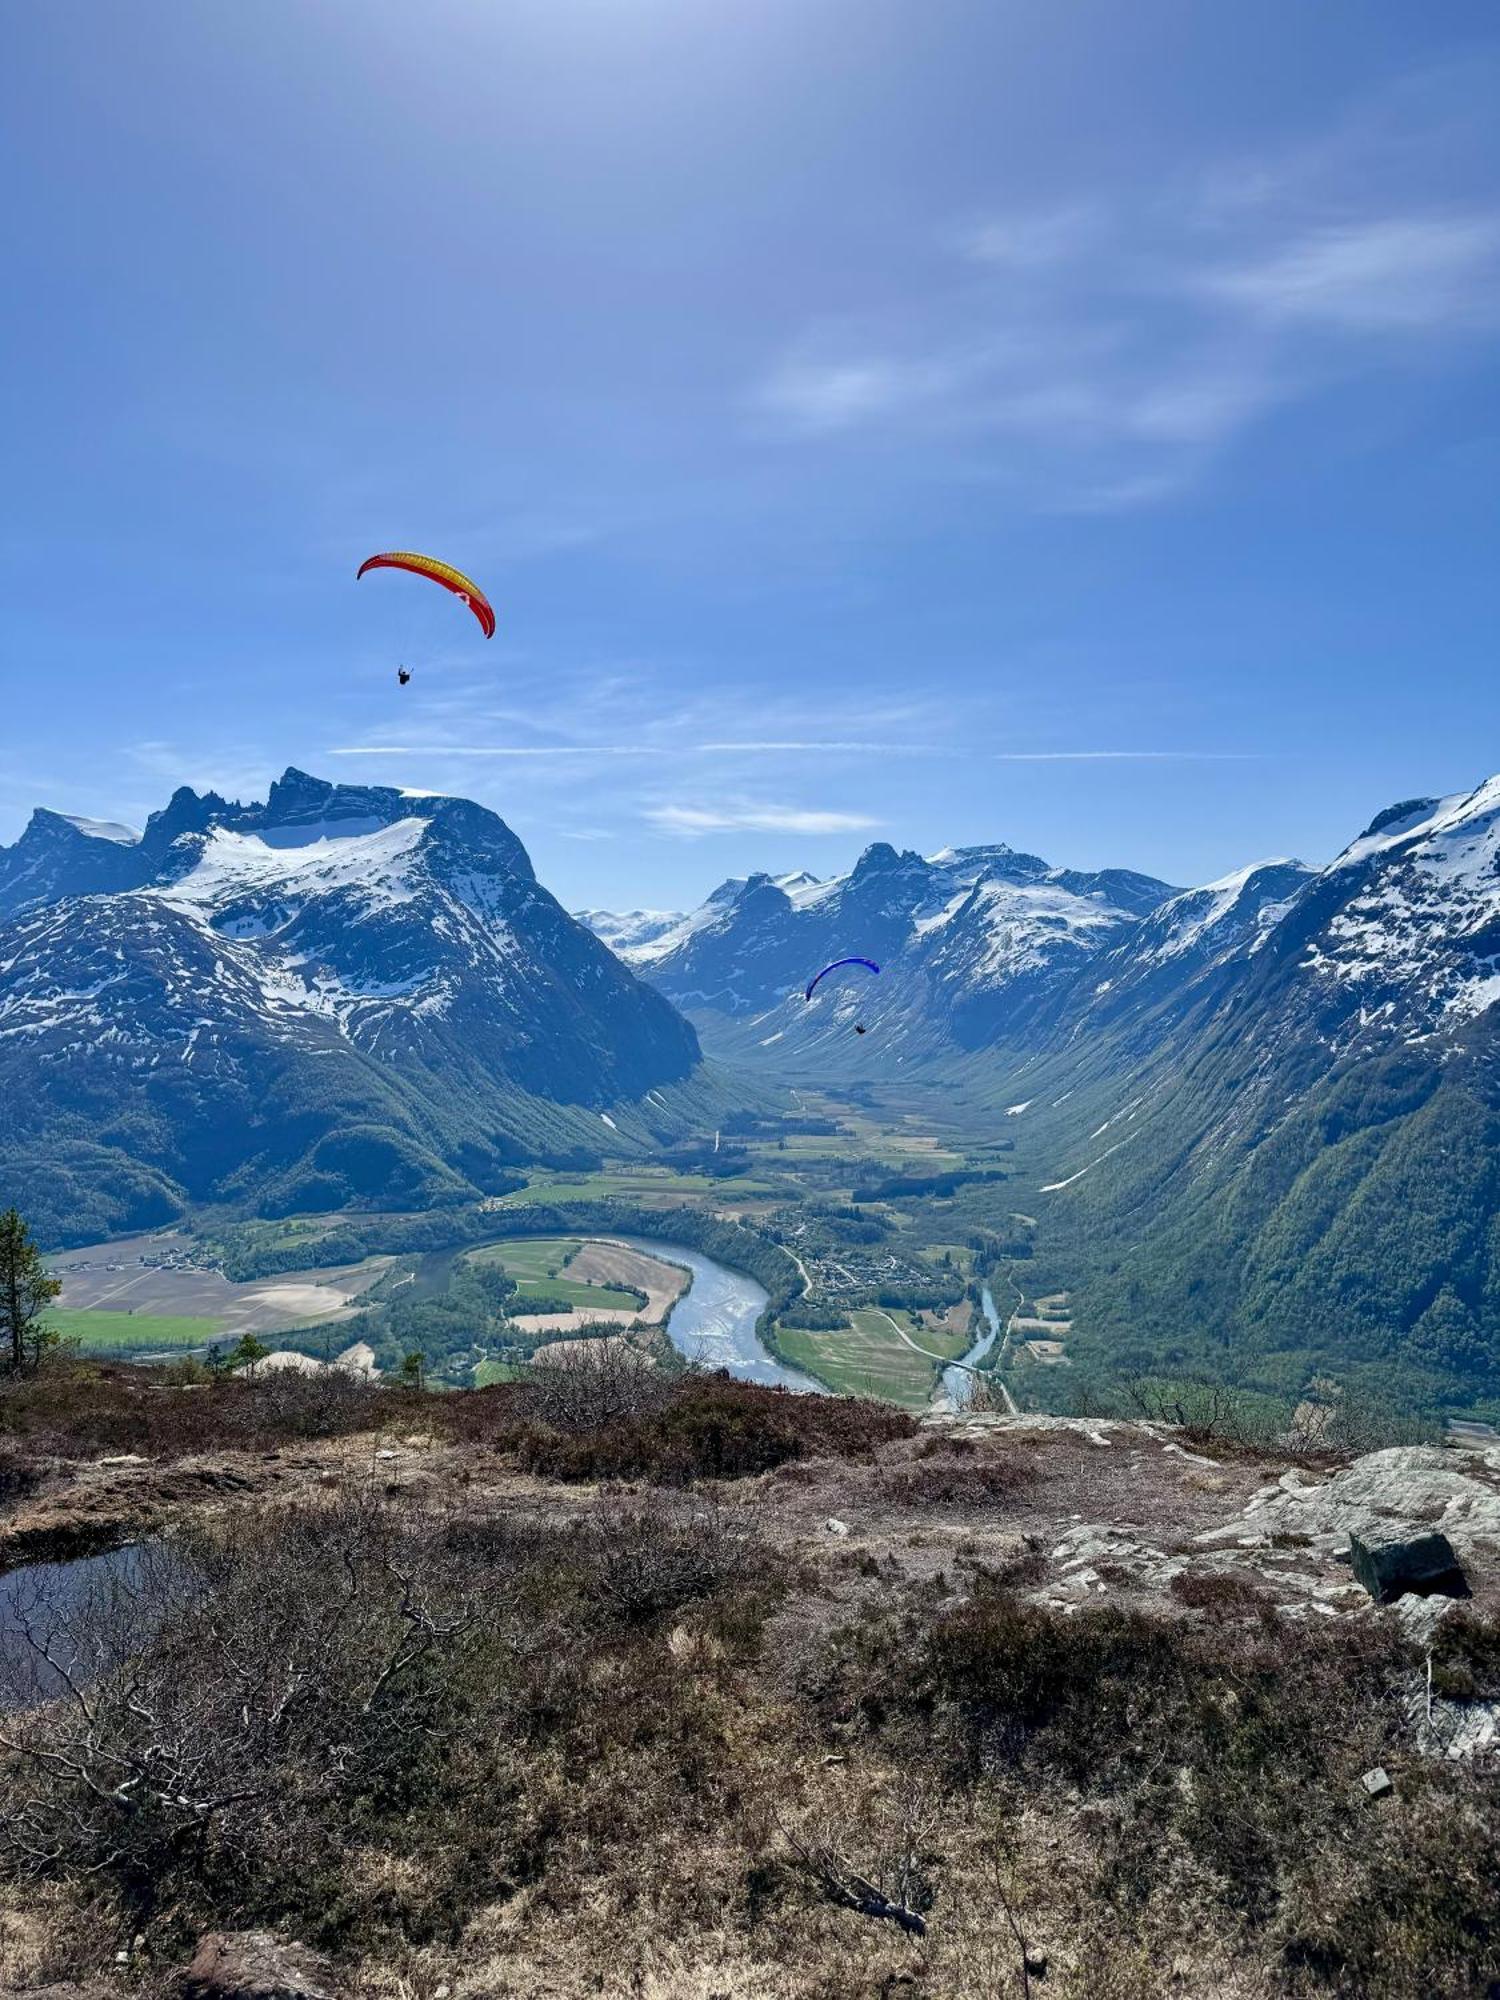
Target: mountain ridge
x=1264 y=1113
x=341 y=993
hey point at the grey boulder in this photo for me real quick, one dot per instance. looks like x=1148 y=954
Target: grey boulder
x=1423 y=1565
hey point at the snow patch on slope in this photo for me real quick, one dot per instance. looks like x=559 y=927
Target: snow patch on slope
x=233 y=865
x=104 y=829
x=1436 y=886
x=1019 y=929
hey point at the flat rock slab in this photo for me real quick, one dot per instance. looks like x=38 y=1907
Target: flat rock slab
x=1401 y=1490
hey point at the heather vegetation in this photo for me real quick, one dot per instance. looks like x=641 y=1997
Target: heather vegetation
x=599 y=1703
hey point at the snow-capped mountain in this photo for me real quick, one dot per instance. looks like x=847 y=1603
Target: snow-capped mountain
x=972 y=942
x=1157 y=970
x=965 y=923
x=1270 y=1105
x=59 y=854
x=626 y=932
x=1284 y=1108
x=988 y=948
x=345 y=990
x=1417 y=917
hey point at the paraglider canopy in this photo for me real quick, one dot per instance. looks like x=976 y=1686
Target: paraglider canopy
x=812 y=983
x=463 y=587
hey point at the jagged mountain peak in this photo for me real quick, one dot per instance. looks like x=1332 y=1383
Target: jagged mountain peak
x=757 y=939
x=880 y=858
x=186 y=811
x=250 y=980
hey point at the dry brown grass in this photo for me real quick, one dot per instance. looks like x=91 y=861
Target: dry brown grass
x=659 y=1740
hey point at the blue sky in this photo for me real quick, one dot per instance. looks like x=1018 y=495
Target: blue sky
x=932 y=420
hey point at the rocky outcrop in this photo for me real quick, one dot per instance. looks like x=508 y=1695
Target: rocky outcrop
x=1405 y=1489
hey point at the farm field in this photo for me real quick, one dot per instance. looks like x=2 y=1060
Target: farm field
x=530 y=1260
x=933 y=1253
x=866 y=1358
x=102 y=1331
x=584 y=1273
x=600 y=1298
x=487 y=1373
x=125 y=1284
x=951 y=1337
x=650 y=1187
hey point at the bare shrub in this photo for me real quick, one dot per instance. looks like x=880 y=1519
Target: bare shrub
x=698 y=1426
x=645 y=1561
x=1350 y=1425
x=953 y=1472
x=1209 y=1413
x=1025 y=1567
x=1466 y=1658
x=286 y=1403
x=1218 y=1591
x=588 y=1384
x=1412 y=1910
x=20 y=1473
x=870 y=1849
x=77 y=1408
x=213 y=1701
x=1223 y=1416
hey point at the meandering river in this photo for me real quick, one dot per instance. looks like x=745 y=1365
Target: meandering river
x=713 y=1323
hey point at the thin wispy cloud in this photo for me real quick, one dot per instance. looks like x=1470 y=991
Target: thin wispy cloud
x=729 y=747
x=830 y=747
x=768 y=749
x=841 y=394
x=1399 y=274
x=1102 y=357
x=693 y=820
x=1028 y=242
x=1121 y=756
x=491 y=750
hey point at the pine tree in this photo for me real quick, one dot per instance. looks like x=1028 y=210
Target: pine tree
x=26 y=1290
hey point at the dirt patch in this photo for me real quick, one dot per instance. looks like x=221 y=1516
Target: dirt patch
x=604 y=1263
x=308 y=1301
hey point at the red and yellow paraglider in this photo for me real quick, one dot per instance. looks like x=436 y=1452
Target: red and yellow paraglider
x=463 y=587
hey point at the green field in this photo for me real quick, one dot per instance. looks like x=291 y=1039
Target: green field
x=489 y=1372
x=636 y=1184
x=530 y=1260
x=865 y=1359
x=101 y=1332
x=605 y=1298
x=951 y=1343
x=933 y=1253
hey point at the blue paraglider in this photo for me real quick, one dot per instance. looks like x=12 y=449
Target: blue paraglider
x=812 y=983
